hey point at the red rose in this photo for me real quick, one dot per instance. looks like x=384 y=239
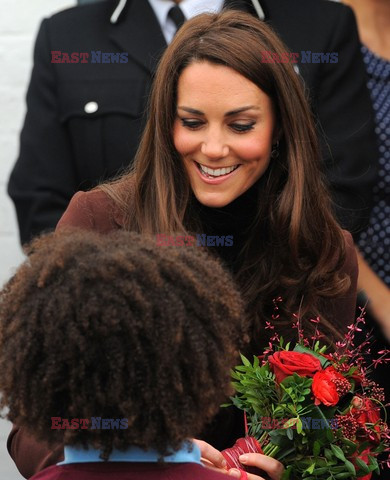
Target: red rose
x=283 y=364
x=242 y=445
x=328 y=385
x=324 y=389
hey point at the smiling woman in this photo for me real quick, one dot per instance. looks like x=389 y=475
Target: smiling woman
x=230 y=148
x=224 y=130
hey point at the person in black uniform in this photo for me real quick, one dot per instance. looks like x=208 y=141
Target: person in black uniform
x=84 y=119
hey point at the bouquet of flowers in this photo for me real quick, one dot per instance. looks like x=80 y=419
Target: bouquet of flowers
x=314 y=411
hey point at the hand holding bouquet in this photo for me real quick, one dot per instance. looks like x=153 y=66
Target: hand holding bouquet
x=315 y=412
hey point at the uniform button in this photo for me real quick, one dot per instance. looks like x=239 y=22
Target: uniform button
x=91 y=107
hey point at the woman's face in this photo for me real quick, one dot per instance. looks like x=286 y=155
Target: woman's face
x=224 y=131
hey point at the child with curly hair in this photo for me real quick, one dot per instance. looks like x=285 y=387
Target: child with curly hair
x=120 y=350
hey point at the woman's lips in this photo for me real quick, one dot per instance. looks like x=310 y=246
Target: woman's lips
x=216 y=180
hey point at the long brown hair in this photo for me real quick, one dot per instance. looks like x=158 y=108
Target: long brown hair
x=296 y=248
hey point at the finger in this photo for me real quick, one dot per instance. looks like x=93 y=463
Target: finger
x=241 y=475
x=211 y=466
x=273 y=467
x=211 y=454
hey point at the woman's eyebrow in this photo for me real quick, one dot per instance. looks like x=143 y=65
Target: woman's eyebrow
x=191 y=110
x=227 y=114
x=242 y=109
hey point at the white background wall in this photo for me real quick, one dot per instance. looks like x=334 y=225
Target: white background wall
x=19 y=22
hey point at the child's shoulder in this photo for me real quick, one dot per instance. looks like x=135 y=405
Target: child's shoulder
x=128 y=471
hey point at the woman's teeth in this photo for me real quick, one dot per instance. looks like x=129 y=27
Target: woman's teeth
x=210 y=172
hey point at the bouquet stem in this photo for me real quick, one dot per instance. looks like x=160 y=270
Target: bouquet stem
x=271 y=450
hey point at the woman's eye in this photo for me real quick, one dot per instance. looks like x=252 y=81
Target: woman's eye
x=242 y=127
x=193 y=124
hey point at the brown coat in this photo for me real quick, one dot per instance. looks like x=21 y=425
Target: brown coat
x=94 y=210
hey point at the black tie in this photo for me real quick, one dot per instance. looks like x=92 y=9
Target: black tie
x=177 y=16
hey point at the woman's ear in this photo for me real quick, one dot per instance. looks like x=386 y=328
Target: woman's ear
x=277 y=134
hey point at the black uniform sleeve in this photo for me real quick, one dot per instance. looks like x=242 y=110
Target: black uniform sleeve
x=43 y=178
x=346 y=122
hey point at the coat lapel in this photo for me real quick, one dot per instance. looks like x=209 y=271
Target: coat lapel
x=129 y=34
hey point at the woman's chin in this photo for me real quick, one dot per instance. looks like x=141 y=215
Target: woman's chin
x=214 y=201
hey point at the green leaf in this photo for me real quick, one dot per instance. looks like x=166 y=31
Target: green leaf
x=328 y=454
x=245 y=361
x=350 y=467
x=290 y=422
x=321 y=470
x=351 y=371
x=286 y=474
x=299 y=426
x=338 y=453
x=242 y=368
x=235 y=375
x=284 y=453
x=375 y=464
x=278 y=437
x=316 y=448
x=363 y=446
x=336 y=467
x=373 y=461
x=362 y=465
x=329 y=435
x=378 y=449
x=290 y=434
x=311 y=468
x=350 y=444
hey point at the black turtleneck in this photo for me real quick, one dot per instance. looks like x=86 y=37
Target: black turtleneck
x=234 y=219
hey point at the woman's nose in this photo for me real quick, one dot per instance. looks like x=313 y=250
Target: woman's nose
x=214 y=147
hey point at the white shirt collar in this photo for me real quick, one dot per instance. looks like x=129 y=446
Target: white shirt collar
x=190 y=8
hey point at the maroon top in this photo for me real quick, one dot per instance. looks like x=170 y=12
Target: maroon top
x=128 y=471
x=94 y=210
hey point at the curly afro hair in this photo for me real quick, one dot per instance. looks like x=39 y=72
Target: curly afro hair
x=113 y=326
